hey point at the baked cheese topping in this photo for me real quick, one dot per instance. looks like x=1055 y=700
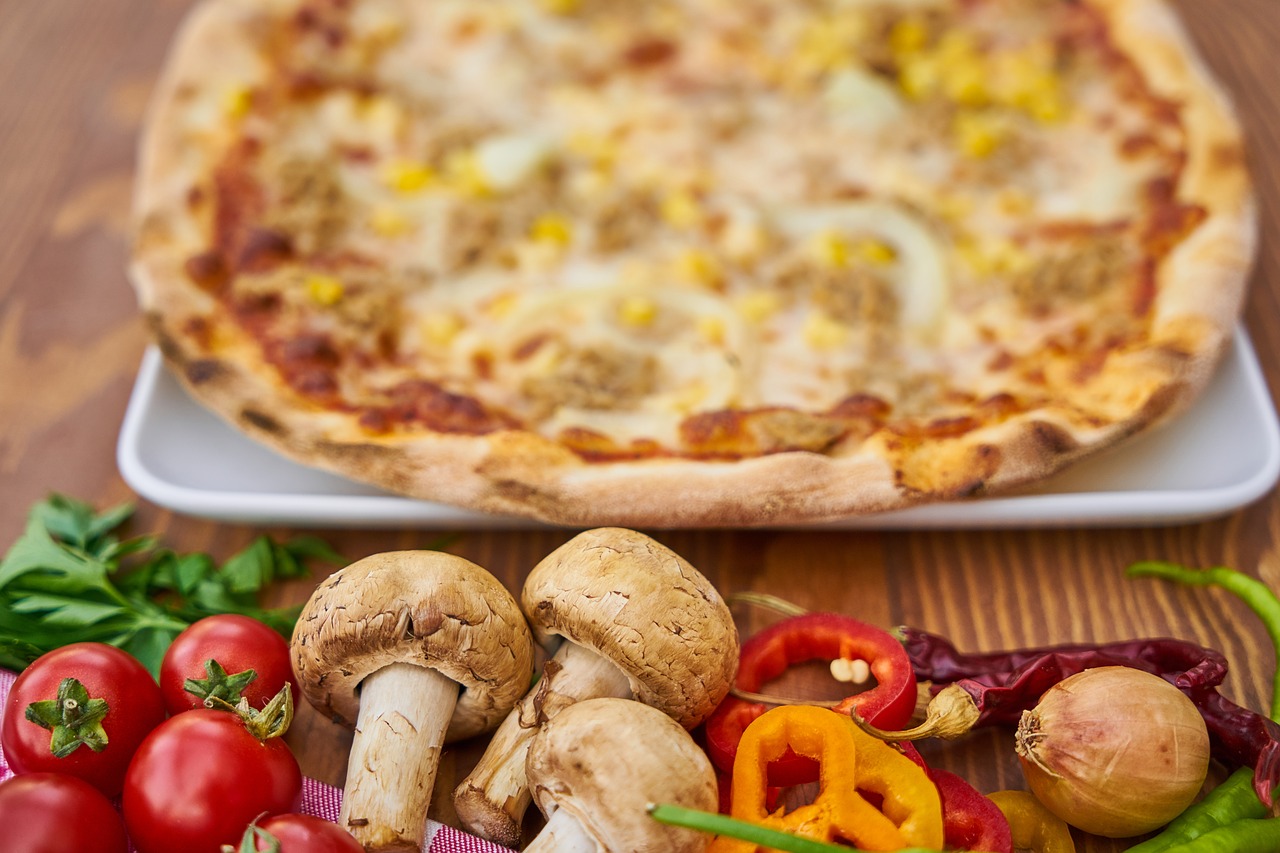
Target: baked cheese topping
x=713 y=227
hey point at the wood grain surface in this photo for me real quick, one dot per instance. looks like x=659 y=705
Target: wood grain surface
x=76 y=79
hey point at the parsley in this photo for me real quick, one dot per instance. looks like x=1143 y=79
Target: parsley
x=70 y=578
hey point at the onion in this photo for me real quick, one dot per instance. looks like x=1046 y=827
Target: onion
x=1114 y=751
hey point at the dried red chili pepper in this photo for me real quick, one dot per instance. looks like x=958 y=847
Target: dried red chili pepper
x=813 y=636
x=994 y=688
x=936 y=659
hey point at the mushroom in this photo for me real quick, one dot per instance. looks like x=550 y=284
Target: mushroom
x=412 y=648
x=638 y=622
x=595 y=768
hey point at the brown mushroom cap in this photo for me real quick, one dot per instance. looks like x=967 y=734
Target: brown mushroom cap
x=426 y=608
x=642 y=606
x=605 y=760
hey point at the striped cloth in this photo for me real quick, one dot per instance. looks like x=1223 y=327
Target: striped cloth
x=323 y=801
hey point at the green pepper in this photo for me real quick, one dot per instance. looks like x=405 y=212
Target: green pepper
x=1231 y=818
x=1240 y=836
x=1231 y=801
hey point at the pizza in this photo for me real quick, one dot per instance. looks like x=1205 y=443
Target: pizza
x=691 y=262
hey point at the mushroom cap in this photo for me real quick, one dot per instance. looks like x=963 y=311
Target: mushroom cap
x=425 y=608
x=641 y=605
x=605 y=760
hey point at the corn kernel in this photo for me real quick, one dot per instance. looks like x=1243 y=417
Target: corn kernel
x=908 y=35
x=681 y=210
x=637 y=311
x=828 y=44
x=711 y=329
x=1006 y=257
x=552 y=228
x=690 y=397
x=697 y=266
x=919 y=77
x=875 y=252
x=965 y=82
x=821 y=332
x=407 y=177
x=324 y=289
x=441 y=329
x=1049 y=109
x=465 y=175
x=1000 y=257
x=831 y=250
x=560 y=7
x=1014 y=202
x=954 y=207
x=759 y=305
x=388 y=222
x=978 y=134
x=601 y=151
x=237 y=101
x=502 y=305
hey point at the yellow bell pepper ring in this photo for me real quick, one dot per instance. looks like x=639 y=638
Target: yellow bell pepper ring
x=848 y=762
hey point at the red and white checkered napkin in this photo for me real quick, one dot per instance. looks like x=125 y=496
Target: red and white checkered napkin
x=323 y=801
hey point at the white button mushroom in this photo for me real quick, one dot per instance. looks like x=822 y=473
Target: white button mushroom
x=640 y=622
x=412 y=648
x=595 y=768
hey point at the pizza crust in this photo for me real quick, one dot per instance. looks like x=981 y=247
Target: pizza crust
x=520 y=473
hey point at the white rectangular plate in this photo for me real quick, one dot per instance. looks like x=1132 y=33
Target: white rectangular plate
x=1219 y=455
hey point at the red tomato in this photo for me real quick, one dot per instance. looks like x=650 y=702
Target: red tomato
x=200 y=778
x=134 y=708
x=56 y=813
x=237 y=643
x=301 y=833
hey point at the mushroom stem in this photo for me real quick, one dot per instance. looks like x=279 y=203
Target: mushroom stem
x=563 y=833
x=492 y=800
x=404 y=712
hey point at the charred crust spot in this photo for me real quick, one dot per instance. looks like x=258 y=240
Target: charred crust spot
x=1053 y=438
x=204 y=370
x=262 y=421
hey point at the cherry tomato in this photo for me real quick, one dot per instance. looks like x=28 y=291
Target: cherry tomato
x=301 y=833
x=237 y=643
x=134 y=706
x=200 y=778
x=56 y=813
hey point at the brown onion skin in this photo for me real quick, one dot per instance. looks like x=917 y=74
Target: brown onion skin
x=1114 y=751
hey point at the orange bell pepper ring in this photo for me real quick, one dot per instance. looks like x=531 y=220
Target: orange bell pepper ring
x=848 y=762
x=1034 y=827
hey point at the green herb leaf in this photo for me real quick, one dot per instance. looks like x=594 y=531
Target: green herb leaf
x=70 y=578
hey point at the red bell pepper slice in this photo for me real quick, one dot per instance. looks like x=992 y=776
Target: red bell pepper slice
x=812 y=636
x=969 y=820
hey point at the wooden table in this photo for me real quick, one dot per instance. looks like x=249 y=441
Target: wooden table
x=76 y=77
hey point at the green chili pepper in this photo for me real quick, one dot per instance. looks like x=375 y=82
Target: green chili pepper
x=1232 y=801
x=1241 y=836
x=1256 y=594
x=1230 y=818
